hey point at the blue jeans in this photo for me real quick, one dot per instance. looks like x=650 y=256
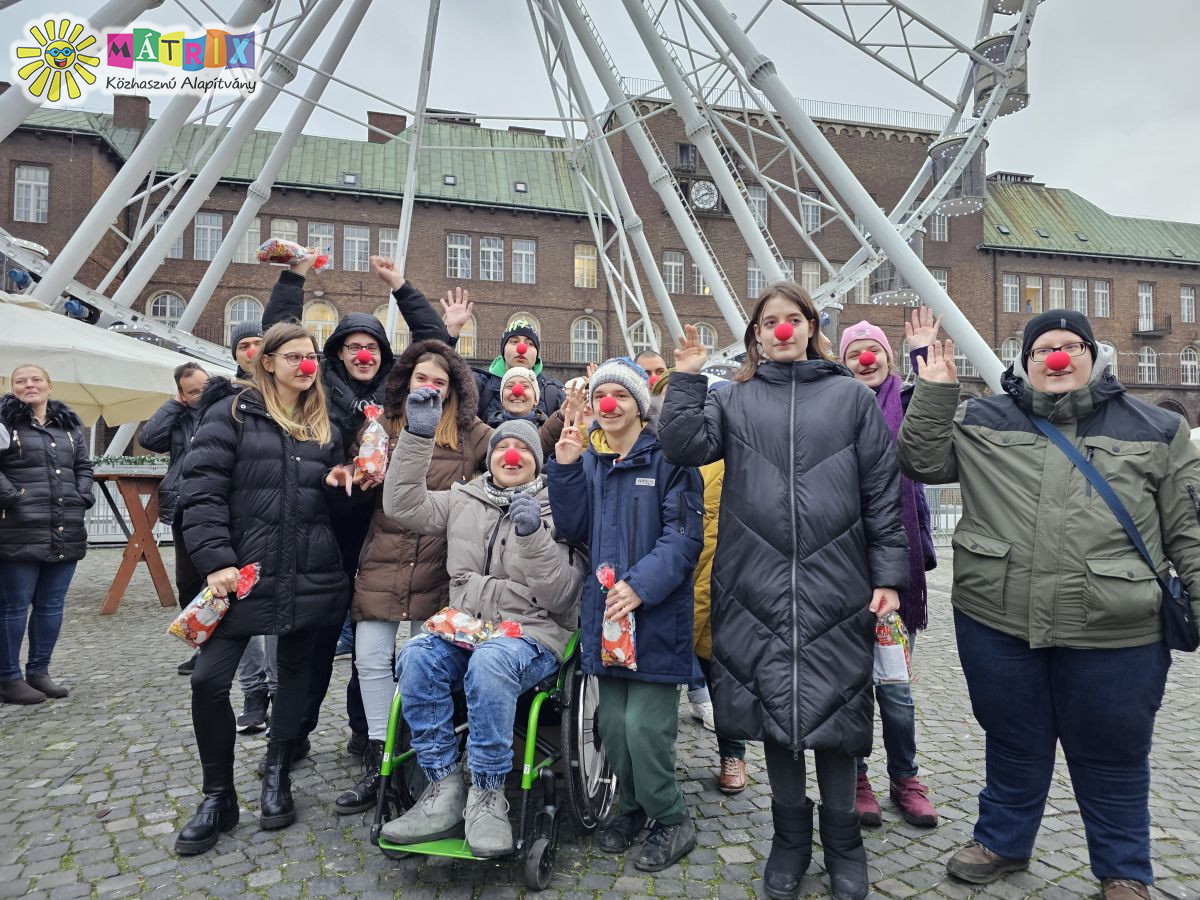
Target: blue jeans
x=898 y=716
x=1100 y=705
x=44 y=587
x=492 y=676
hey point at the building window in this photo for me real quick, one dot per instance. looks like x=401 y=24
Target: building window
x=1009 y=351
x=942 y=277
x=639 y=336
x=1145 y=306
x=389 y=242
x=810 y=275
x=758 y=203
x=466 y=340
x=458 y=256
x=356 y=247
x=166 y=307
x=755 y=282
x=321 y=238
x=1187 y=303
x=1033 y=294
x=672 y=271
x=176 y=251
x=1100 y=302
x=1147 y=366
x=1189 y=366
x=810 y=211
x=687 y=156
x=586 y=346
x=491 y=259
x=449 y=180
x=285 y=230
x=1012 y=293
x=400 y=336
x=248 y=246
x=585 y=265
x=209 y=228
x=238 y=311
x=939 y=227
x=1079 y=295
x=707 y=335
x=1112 y=366
x=31 y=194
x=320 y=319
x=905 y=360
x=1058 y=292
x=699 y=285
x=524 y=262
x=789 y=269
x=966 y=368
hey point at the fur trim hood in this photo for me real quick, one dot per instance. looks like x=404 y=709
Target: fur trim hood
x=17 y=412
x=462 y=381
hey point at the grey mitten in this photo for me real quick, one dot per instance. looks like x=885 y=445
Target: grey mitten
x=526 y=514
x=423 y=411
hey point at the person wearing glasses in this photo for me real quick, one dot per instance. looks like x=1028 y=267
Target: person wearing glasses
x=258 y=488
x=1056 y=614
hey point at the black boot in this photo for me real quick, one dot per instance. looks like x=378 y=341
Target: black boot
x=217 y=812
x=845 y=855
x=363 y=795
x=301 y=750
x=791 y=849
x=277 y=809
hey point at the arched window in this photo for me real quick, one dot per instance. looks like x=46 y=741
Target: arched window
x=466 y=340
x=1147 y=366
x=1009 y=351
x=639 y=336
x=707 y=335
x=239 y=310
x=1189 y=366
x=527 y=317
x=1112 y=366
x=166 y=306
x=320 y=318
x=400 y=337
x=586 y=345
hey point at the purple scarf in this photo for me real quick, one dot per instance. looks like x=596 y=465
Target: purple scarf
x=912 y=601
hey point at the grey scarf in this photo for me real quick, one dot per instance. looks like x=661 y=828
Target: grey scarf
x=502 y=497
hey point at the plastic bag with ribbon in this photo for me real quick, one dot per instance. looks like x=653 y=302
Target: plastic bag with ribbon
x=372 y=458
x=893 y=653
x=618 y=642
x=277 y=250
x=200 y=618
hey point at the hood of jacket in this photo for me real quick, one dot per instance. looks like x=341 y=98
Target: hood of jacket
x=18 y=412
x=499 y=366
x=335 y=369
x=1101 y=387
x=800 y=370
x=461 y=380
x=218 y=388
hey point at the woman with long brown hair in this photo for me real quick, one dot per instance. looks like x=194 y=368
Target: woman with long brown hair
x=256 y=489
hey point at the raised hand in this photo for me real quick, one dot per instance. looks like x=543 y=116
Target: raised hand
x=423 y=411
x=456 y=310
x=570 y=443
x=923 y=329
x=691 y=354
x=301 y=266
x=938 y=365
x=576 y=402
x=526 y=514
x=385 y=270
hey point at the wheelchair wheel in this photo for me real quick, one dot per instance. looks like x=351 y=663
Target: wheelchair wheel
x=591 y=784
x=539 y=864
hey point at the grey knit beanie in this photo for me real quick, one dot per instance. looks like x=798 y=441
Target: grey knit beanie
x=525 y=432
x=241 y=331
x=628 y=375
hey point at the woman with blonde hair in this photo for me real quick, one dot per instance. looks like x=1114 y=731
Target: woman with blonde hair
x=258 y=488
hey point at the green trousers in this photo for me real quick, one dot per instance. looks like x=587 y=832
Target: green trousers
x=639 y=721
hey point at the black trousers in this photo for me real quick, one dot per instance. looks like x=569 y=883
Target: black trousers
x=188 y=582
x=216 y=664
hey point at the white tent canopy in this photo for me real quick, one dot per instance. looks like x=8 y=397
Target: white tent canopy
x=94 y=371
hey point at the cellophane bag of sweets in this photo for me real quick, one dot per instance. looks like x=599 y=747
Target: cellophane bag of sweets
x=893 y=653
x=372 y=458
x=277 y=250
x=618 y=644
x=200 y=618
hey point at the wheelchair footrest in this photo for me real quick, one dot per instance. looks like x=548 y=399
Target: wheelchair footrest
x=454 y=848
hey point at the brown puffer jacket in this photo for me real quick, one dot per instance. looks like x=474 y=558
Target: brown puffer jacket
x=401 y=574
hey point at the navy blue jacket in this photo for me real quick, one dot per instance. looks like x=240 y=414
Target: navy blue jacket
x=645 y=517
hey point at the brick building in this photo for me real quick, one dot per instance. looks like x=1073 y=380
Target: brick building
x=498 y=212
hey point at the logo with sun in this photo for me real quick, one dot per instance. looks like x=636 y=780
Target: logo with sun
x=57 y=60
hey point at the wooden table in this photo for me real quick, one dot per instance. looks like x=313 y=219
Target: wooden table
x=140 y=543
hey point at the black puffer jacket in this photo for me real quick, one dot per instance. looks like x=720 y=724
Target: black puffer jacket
x=45 y=484
x=809 y=525
x=170 y=430
x=251 y=493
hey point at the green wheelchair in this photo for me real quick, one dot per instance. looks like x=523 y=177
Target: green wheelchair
x=567 y=702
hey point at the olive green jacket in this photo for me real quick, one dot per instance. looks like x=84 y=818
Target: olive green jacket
x=1037 y=553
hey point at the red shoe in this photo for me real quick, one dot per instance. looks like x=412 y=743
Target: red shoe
x=865 y=804
x=912 y=799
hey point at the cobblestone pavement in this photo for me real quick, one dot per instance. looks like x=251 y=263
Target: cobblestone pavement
x=93 y=789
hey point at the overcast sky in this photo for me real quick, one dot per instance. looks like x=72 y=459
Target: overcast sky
x=1114 y=113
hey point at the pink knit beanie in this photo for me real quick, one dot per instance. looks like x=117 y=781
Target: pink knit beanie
x=864 y=331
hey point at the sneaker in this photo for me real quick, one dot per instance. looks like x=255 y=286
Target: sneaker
x=703 y=713
x=254 y=714
x=733 y=775
x=1123 y=889
x=436 y=815
x=618 y=833
x=977 y=864
x=665 y=845
x=913 y=801
x=188 y=665
x=865 y=804
x=345 y=649
x=489 y=833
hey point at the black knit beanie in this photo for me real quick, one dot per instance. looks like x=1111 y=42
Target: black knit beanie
x=525 y=329
x=1066 y=319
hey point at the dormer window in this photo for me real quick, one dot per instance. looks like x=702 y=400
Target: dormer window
x=450 y=180
x=521 y=187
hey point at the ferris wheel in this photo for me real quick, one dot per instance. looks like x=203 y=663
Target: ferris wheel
x=715 y=70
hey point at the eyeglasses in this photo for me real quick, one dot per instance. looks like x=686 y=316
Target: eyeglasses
x=355 y=348
x=1075 y=348
x=294 y=359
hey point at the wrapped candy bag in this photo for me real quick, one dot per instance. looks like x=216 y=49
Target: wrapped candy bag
x=201 y=617
x=618 y=646
x=465 y=630
x=893 y=655
x=277 y=250
x=372 y=458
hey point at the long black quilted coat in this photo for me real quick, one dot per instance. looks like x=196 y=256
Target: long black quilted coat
x=809 y=525
x=45 y=484
x=251 y=493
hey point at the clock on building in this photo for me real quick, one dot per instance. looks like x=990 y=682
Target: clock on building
x=704 y=195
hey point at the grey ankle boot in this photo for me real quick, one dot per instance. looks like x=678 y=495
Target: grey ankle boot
x=489 y=833
x=437 y=814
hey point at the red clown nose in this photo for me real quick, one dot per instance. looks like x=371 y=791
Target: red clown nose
x=518 y=390
x=308 y=366
x=608 y=404
x=364 y=356
x=866 y=358
x=522 y=349
x=250 y=352
x=1057 y=361
x=512 y=457
x=784 y=331
x=653 y=379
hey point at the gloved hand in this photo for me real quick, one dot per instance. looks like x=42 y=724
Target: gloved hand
x=423 y=411
x=526 y=514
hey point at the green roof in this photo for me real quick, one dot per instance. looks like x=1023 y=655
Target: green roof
x=1022 y=208
x=486 y=162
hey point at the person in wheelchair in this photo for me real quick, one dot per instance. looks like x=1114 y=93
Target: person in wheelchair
x=509 y=571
